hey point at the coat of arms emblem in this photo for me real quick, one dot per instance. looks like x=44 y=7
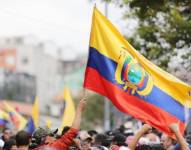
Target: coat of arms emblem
x=132 y=76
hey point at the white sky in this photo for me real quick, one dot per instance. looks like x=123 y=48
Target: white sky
x=65 y=22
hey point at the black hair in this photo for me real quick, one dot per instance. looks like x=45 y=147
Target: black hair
x=3 y=137
x=8 y=144
x=22 y=138
x=65 y=129
x=157 y=147
x=119 y=140
x=150 y=147
x=102 y=140
x=143 y=147
x=99 y=138
x=5 y=129
x=92 y=132
x=106 y=142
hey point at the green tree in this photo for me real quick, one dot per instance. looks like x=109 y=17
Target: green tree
x=164 y=29
x=94 y=112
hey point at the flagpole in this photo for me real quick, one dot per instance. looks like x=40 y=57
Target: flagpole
x=106 y=101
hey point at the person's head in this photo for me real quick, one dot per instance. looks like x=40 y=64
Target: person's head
x=119 y=140
x=150 y=147
x=65 y=129
x=99 y=139
x=85 y=145
x=157 y=147
x=10 y=145
x=167 y=141
x=22 y=139
x=92 y=133
x=153 y=138
x=6 y=134
x=43 y=136
x=143 y=147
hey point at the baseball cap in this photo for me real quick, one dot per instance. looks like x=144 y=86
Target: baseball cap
x=41 y=133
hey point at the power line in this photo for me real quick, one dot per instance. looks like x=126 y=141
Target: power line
x=45 y=23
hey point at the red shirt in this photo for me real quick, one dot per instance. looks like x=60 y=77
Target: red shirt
x=63 y=143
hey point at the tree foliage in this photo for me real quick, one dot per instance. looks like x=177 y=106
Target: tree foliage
x=94 y=113
x=164 y=29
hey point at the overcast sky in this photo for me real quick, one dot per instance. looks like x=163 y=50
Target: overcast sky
x=65 y=22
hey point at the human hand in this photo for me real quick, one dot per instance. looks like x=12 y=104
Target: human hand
x=174 y=127
x=146 y=127
x=81 y=105
x=77 y=143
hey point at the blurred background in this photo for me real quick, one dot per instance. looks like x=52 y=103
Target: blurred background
x=44 y=48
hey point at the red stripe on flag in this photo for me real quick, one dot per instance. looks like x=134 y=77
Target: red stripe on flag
x=129 y=104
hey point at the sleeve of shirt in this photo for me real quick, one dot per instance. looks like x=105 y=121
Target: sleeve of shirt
x=66 y=140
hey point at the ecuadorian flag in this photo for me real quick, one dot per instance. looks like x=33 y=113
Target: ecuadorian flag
x=133 y=84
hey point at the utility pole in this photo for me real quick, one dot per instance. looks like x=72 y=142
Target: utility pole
x=107 y=125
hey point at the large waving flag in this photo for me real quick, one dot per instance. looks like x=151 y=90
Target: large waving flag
x=17 y=119
x=69 y=111
x=133 y=84
x=35 y=112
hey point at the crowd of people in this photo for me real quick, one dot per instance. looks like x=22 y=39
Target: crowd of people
x=72 y=138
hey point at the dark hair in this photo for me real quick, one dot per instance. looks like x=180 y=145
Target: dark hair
x=106 y=142
x=8 y=144
x=22 y=138
x=102 y=140
x=5 y=129
x=157 y=147
x=150 y=147
x=143 y=147
x=3 y=136
x=119 y=140
x=99 y=138
x=65 y=129
x=92 y=132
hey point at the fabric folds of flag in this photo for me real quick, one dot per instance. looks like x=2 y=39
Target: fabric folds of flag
x=133 y=84
x=69 y=111
x=17 y=119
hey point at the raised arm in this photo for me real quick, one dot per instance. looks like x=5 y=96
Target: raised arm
x=79 y=110
x=67 y=139
x=145 y=128
x=183 y=144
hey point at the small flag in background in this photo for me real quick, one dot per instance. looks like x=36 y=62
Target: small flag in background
x=69 y=111
x=17 y=119
x=133 y=84
x=4 y=118
x=32 y=123
x=35 y=111
x=48 y=123
x=30 y=126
